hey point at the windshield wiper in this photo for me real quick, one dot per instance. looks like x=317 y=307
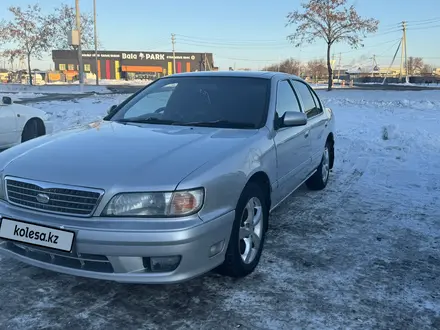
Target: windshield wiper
x=149 y=120
x=218 y=123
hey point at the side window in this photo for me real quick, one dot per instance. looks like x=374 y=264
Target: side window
x=317 y=102
x=310 y=102
x=286 y=99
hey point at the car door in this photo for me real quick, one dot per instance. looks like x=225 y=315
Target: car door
x=317 y=121
x=292 y=143
x=8 y=126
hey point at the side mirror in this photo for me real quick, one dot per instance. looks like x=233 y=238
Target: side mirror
x=112 y=110
x=6 y=100
x=293 y=118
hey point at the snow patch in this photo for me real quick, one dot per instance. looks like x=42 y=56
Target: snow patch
x=66 y=114
x=52 y=89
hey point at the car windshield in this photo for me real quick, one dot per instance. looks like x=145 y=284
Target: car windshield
x=226 y=102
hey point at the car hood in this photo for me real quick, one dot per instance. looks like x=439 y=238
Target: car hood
x=108 y=154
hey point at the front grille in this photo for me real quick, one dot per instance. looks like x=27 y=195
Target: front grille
x=89 y=262
x=52 y=198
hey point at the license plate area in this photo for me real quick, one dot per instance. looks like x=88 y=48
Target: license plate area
x=38 y=235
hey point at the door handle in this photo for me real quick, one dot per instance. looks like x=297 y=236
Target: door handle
x=306 y=134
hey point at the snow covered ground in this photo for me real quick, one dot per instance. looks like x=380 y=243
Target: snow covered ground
x=52 y=89
x=362 y=254
x=20 y=95
x=65 y=114
x=109 y=82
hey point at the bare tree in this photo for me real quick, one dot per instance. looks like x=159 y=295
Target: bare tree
x=13 y=54
x=3 y=32
x=426 y=70
x=66 y=22
x=289 y=65
x=415 y=64
x=31 y=31
x=331 y=21
x=317 y=68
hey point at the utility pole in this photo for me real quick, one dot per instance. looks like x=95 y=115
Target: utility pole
x=80 y=61
x=374 y=65
x=406 y=54
x=403 y=56
x=339 y=66
x=96 y=43
x=173 y=41
x=333 y=66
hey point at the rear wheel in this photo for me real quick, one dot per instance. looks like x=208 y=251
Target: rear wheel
x=30 y=131
x=319 y=180
x=248 y=233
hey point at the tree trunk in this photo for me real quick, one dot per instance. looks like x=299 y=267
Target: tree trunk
x=29 y=68
x=329 y=68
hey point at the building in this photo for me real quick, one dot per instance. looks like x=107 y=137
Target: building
x=129 y=65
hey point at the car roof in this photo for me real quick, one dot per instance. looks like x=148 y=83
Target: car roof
x=243 y=74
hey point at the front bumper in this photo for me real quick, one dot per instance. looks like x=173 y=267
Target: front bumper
x=104 y=252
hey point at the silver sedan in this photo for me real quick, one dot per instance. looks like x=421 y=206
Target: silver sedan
x=177 y=180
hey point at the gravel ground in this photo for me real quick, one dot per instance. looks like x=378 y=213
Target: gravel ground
x=363 y=254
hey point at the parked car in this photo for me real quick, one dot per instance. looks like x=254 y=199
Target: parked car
x=177 y=180
x=19 y=123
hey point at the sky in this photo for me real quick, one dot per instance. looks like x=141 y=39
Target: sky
x=249 y=33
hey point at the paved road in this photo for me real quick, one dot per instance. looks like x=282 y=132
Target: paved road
x=53 y=97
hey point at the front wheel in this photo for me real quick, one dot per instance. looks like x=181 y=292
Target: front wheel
x=248 y=233
x=30 y=131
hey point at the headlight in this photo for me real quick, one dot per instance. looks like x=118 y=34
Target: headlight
x=155 y=204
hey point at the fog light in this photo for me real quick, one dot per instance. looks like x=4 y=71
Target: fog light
x=164 y=264
x=216 y=248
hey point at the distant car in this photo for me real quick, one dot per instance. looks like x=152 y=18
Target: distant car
x=19 y=123
x=176 y=181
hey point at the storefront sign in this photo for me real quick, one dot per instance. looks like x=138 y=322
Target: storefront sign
x=102 y=55
x=129 y=57
x=142 y=56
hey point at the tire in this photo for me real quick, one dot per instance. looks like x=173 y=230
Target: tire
x=30 y=131
x=241 y=255
x=318 y=181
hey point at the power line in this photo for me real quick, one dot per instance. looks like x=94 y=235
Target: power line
x=382 y=43
x=247 y=59
x=207 y=45
x=236 y=44
x=425 y=20
x=227 y=40
x=425 y=28
x=418 y=24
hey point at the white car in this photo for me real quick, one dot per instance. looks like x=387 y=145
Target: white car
x=20 y=123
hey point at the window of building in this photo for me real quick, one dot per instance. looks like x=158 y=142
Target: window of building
x=87 y=67
x=62 y=67
x=71 y=67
